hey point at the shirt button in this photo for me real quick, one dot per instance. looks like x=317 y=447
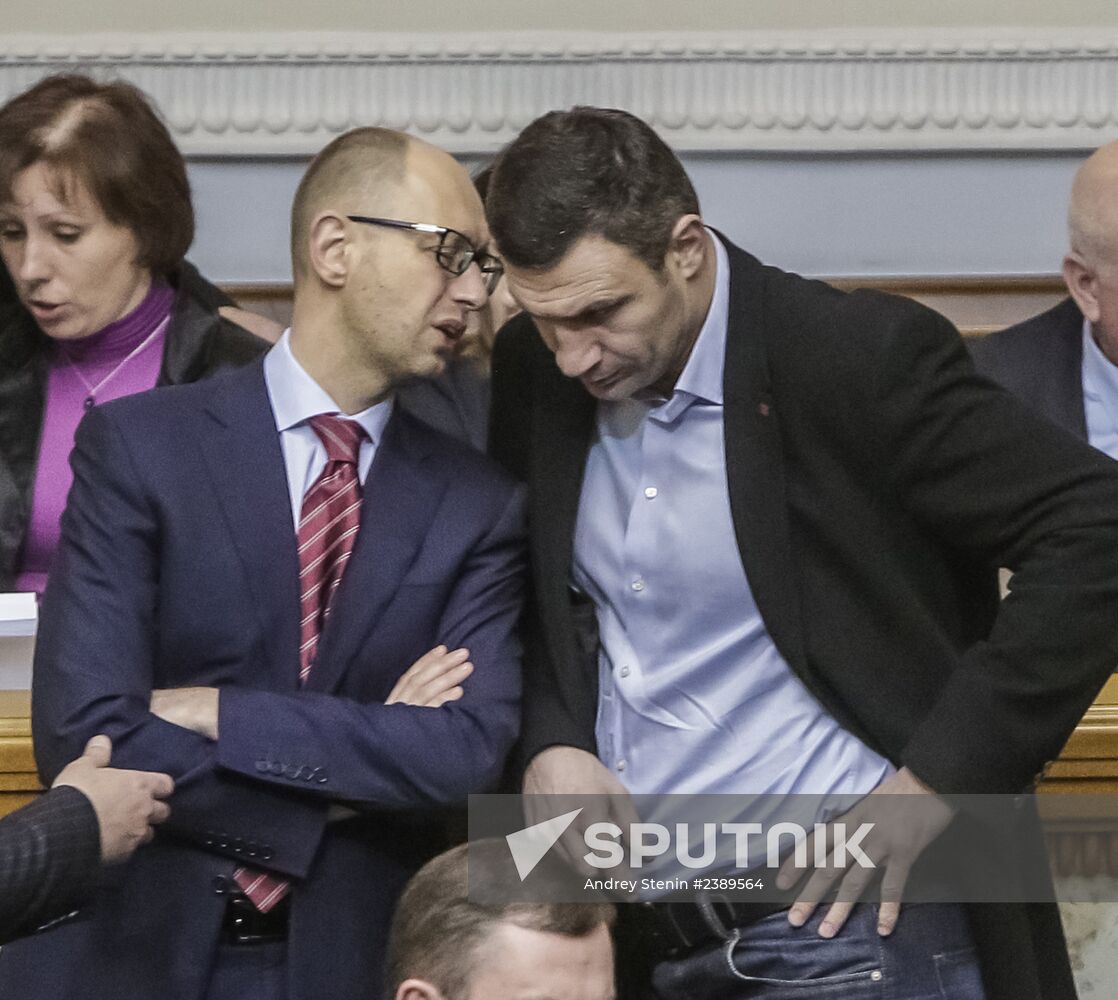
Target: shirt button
x=650 y=492
x=624 y=671
x=621 y=764
x=637 y=584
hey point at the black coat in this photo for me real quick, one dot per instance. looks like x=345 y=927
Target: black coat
x=198 y=343
x=875 y=481
x=1041 y=362
x=50 y=857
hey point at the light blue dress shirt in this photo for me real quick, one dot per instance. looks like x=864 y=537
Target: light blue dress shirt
x=694 y=696
x=1100 y=395
x=295 y=398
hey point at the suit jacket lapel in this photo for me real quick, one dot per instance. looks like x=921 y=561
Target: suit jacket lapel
x=1065 y=389
x=241 y=448
x=755 y=461
x=562 y=427
x=402 y=493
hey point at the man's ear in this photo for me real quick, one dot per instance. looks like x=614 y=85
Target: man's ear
x=1082 y=282
x=328 y=249
x=417 y=989
x=688 y=245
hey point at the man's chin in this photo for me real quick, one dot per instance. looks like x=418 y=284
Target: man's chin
x=609 y=389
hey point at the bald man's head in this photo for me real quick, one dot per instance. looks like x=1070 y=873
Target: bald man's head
x=1091 y=266
x=363 y=163
x=1093 y=214
x=388 y=242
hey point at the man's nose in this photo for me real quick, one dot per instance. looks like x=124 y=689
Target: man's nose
x=575 y=353
x=469 y=287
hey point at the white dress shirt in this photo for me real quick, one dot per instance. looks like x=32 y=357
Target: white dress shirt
x=1100 y=395
x=295 y=398
x=694 y=696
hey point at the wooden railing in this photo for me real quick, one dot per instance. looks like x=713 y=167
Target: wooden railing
x=975 y=305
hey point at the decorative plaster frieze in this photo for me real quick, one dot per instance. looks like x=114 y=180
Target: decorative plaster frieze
x=287 y=94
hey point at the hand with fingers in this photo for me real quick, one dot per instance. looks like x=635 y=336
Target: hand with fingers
x=434 y=679
x=128 y=804
x=903 y=816
x=561 y=779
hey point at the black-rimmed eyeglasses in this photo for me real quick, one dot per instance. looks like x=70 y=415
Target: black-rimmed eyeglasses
x=454 y=253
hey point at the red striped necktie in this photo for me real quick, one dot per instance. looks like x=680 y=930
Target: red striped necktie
x=328 y=525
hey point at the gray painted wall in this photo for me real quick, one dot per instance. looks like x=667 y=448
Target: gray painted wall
x=829 y=215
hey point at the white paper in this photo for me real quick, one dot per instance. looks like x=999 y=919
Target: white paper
x=19 y=614
x=19 y=618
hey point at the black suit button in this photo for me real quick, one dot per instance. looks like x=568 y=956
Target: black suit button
x=267 y=853
x=220 y=885
x=262 y=766
x=276 y=768
x=292 y=771
x=238 y=846
x=322 y=776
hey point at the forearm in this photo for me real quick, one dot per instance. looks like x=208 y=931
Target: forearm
x=50 y=855
x=375 y=756
x=210 y=808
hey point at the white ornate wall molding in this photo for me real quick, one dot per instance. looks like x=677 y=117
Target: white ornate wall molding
x=287 y=94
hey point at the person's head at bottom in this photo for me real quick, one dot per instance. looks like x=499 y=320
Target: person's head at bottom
x=447 y=944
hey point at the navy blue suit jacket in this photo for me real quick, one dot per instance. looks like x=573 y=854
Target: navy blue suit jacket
x=178 y=567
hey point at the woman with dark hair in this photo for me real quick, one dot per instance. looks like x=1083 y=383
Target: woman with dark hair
x=95 y=220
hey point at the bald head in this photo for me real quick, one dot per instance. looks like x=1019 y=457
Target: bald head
x=379 y=222
x=360 y=162
x=368 y=171
x=1093 y=214
x=1091 y=266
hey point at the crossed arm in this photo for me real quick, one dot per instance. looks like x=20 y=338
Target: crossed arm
x=96 y=671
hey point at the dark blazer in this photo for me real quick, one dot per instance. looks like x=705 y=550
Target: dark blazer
x=198 y=343
x=455 y=402
x=50 y=856
x=178 y=567
x=874 y=481
x=1041 y=362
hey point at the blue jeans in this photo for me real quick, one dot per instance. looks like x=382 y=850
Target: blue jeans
x=930 y=956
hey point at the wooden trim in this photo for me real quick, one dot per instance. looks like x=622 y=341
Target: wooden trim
x=976 y=304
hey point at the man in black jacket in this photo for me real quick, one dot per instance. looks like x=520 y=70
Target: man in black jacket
x=780 y=503
x=1064 y=362
x=51 y=851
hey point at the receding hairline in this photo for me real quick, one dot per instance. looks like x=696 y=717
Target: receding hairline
x=360 y=161
x=1093 y=208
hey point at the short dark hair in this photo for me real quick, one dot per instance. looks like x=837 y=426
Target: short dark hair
x=587 y=171
x=439 y=926
x=355 y=161
x=109 y=137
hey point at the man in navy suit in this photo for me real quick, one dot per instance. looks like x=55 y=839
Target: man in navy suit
x=1064 y=362
x=208 y=617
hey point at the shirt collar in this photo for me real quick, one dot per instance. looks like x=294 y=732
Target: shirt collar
x=296 y=397
x=702 y=375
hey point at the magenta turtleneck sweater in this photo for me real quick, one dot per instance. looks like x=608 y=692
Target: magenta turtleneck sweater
x=92 y=358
